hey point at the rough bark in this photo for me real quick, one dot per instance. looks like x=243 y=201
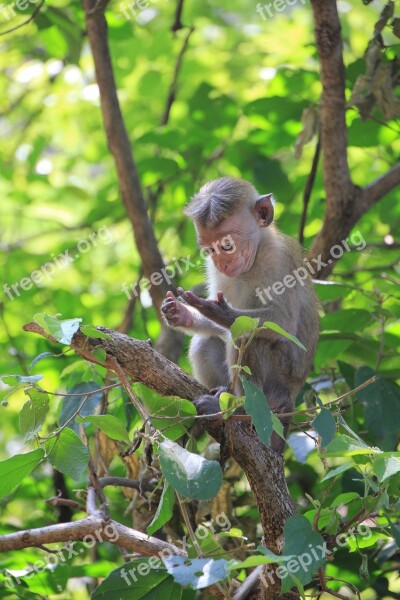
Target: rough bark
x=128 y=176
x=346 y=203
x=262 y=466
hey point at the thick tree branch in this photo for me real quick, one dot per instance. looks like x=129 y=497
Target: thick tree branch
x=333 y=102
x=118 y=142
x=262 y=466
x=132 y=540
x=346 y=203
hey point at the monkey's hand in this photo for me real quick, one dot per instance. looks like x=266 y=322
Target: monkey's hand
x=175 y=313
x=217 y=310
x=208 y=406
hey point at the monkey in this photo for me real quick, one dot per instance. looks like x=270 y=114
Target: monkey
x=252 y=270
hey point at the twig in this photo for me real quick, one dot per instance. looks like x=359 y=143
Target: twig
x=125 y=383
x=308 y=189
x=33 y=15
x=177 y=24
x=129 y=483
x=56 y=501
x=172 y=89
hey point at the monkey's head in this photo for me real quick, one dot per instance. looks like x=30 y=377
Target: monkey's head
x=230 y=217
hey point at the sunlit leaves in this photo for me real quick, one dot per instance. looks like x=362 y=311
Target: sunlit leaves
x=61 y=330
x=67 y=453
x=14 y=470
x=109 y=425
x=33 y=413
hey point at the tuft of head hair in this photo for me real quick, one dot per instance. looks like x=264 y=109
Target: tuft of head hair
x=219 y=199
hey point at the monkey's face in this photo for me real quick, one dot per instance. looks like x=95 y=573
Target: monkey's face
x=232 y=245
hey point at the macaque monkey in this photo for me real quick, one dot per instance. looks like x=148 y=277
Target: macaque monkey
x=252 y=270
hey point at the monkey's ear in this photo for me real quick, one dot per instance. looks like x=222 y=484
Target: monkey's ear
x=263 y=210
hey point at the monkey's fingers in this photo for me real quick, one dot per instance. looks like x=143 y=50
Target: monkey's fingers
x=169 y=307
x=221 y=300
x=191 y=298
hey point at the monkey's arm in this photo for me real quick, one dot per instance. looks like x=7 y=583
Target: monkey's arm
x=221 y=313
x=188 y=319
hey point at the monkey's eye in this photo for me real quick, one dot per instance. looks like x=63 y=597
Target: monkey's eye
x=227 y=246
x=209 y=251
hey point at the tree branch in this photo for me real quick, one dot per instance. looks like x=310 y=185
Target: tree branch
x=31 y=18
x=333 y=102
x=381 y=186
x=128 y=538
x=262 y=466
x=118 y=142
x=308 y=189
x=172 y=89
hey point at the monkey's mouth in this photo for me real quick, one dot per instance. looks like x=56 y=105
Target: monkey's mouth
x=233 y=271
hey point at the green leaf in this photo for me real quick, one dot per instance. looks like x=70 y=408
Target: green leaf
x=343 y=445
x=381 y=401
x=325 y=425
x=331 y=290
x=395 y=531
x=199 y=573
x=14 y=470
x=92 y=331
x=345 y=498
x=100 y=355
x=62 y=331
x=349 y=320
x=338 y=471
x=71 y=403
x=164 y=510
x=278 y=329
x=384 y=468
x=109 y=425
x=256 y=405
x=277 y=425
x=141 y=579
x=229 y=402
x=307 y=548
x=160 y=406
x=67 y=454
x=33 y=413
x=189 y=474
x=243 y=325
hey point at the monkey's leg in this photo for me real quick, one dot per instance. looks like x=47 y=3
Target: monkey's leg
x=208 y=360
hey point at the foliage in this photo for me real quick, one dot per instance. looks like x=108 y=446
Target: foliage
x=247 y=94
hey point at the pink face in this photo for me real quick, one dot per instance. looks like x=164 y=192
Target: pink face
x=233 y=244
